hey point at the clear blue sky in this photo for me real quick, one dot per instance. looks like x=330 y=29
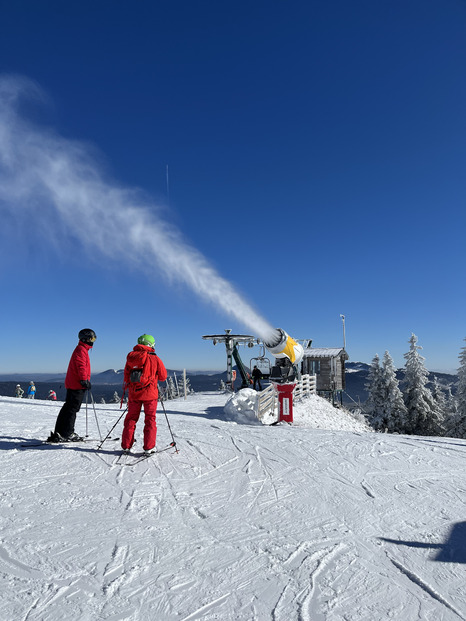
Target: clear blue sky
x=316 y=155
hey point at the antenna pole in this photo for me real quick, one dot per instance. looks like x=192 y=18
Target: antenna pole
x=344 y=333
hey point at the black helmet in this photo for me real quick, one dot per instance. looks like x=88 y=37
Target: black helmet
x=87 y=336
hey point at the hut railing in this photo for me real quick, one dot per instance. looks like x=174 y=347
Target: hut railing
x=306 y=386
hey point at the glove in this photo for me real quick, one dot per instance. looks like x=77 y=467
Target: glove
x=86 y=384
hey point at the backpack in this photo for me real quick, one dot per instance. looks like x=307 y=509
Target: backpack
x=140 y=373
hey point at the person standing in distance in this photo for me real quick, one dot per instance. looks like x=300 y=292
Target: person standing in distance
x=77 y=381
x=31 y=393
x=143 y=371
x=256 y=376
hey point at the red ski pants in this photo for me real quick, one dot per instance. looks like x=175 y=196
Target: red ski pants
x=150 y=426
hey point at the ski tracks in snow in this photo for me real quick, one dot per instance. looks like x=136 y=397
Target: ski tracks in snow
x=245 y=523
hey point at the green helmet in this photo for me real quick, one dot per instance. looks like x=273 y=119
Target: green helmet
x=146 y=339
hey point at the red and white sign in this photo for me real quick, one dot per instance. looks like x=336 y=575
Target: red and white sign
x=285 y=402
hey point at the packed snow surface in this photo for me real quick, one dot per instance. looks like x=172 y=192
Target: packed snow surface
x=321 y=520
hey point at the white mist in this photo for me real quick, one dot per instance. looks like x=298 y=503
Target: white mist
x=58 y=180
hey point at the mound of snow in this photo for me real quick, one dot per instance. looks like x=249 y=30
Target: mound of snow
x=314 y=411
x=311 y=411
x=241 y=407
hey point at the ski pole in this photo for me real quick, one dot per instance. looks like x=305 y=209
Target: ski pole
x=87 y=399
x=165 y=412
x=108 y=434
x=95 y=414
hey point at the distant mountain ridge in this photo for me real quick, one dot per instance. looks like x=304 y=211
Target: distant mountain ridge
x=111 y=376
x=108 y=382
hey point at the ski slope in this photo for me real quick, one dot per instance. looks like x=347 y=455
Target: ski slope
x=322 y=520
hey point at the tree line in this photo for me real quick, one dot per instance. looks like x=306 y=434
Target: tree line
x=410 y=406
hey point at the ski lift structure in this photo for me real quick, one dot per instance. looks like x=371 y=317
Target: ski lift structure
x=261 y=362
x=231 y=342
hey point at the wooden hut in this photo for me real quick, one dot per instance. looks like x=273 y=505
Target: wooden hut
x=328 y=365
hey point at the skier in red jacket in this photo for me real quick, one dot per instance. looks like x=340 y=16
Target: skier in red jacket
x=143 y=370
x=77 y=381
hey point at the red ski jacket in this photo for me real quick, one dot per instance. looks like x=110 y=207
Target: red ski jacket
x=155 y=371
x=79 y=367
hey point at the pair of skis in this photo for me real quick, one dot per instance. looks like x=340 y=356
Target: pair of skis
x=45 y=443
x=123 y=457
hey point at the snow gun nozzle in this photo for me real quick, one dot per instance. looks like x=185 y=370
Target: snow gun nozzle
x=281 y=345
x=275 y=338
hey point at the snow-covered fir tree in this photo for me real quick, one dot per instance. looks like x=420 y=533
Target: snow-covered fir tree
x=422 y=415
x=189 y=388
x=393 y=412
x=374 y=403
x=173 y=387
x=442 y=397
x=441 y=407
x=451 y=418
x=438 y=393
x=460 y=422
x=176 y=384
x=115 y=398
x=170 y=388
x=452 y=403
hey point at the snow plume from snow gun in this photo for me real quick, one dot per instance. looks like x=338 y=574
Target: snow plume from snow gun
x=57 y=184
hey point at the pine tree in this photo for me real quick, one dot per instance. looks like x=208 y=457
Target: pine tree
x=422 y=415
x=393 y=413
x=438 y=393
x=374 y=403
x=171 y=388
x=460 y=426
x=115 y=398
x=441 y=408
x=451 y=417
x=189 y=388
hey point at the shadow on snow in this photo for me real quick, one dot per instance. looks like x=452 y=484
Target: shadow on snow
x=453 y=550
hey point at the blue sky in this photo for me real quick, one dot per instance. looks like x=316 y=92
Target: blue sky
x=316 y=155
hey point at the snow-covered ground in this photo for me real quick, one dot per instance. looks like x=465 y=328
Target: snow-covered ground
x=322 y=520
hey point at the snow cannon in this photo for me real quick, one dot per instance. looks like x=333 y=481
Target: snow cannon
x=284 y=348
x=288 y=354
